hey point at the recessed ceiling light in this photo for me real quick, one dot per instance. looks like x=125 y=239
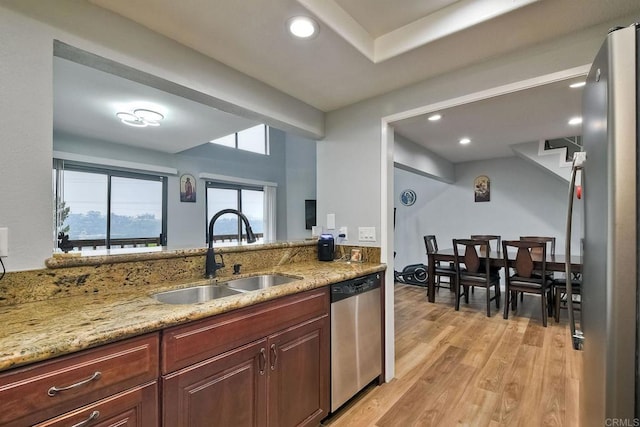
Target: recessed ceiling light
x=465 y=141
x=577 y=85
x=575 y=121
x=302 y=27
x=435 y=117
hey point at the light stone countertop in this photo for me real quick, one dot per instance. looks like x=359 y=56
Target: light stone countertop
x=41 y=330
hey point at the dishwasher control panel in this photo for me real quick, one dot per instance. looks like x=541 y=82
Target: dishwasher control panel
x=355 y=286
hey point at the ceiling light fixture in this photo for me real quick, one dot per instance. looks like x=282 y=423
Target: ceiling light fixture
x=302 y=27
x=577 y=85
x=140 y=118
x=575 y=121
x=465 y=141
x=434 y=117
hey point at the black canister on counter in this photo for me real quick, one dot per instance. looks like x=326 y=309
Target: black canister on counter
x=325 y=247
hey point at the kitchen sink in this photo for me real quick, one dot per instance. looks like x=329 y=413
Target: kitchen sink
x=205 y=293
x=263 y=281
x=195 y=294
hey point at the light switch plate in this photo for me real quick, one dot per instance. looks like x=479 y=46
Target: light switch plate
x=4 y=241
x=367 y=234
x=331 y=221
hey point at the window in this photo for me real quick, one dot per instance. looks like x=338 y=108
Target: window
x=229 y=227
x=109 y=209
x=254 y=139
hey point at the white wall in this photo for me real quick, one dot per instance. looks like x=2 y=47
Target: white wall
x=410 y=156
x=300 y=183
x=525 y=200
x=27 y=31
x=25 y=140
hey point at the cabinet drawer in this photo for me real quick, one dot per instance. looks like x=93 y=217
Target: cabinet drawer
x=135 y=407
x=44 y=390
x=197 y=341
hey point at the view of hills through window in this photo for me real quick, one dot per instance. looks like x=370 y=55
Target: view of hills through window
x=136 y=206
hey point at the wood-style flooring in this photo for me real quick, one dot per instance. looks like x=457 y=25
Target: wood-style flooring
x=463 y=368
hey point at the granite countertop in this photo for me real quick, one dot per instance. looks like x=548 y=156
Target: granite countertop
x=41 y=330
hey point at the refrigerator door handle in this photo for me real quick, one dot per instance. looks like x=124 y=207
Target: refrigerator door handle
x=576 y=335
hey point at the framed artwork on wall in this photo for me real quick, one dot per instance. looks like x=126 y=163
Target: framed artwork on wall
x=482 y=188
x=187 y=188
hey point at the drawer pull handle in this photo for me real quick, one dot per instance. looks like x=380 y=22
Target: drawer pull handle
x=274 y=355
x=53 y=390
x=94 y=416
x=263 y=360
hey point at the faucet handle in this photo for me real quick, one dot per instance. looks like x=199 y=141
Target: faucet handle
x=221 y=263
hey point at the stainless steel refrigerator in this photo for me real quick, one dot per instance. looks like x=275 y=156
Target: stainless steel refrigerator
x=608 y=332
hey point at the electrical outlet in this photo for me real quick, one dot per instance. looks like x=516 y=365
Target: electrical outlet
x=367 y=234
x=343 y=230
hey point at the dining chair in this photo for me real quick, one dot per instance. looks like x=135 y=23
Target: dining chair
x=543 y=239
x=520 y=261
x=441 y=269
x=560 y=293
x=537 y=253
x=472 y=269
x=495 y=270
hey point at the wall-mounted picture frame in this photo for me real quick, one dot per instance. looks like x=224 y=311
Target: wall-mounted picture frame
x=482 y=189
x=187 y=188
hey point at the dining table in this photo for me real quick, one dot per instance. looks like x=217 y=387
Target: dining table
x=554 y=262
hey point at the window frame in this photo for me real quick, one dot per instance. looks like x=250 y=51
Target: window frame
x=229 y=186
x=60 y=165
x=266 y=141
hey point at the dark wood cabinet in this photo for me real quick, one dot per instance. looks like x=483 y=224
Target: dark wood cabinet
x=280 y=379
x=298 y=384
x=136 y=407
x=45 y=390
x=227 y=390
x=264 y=365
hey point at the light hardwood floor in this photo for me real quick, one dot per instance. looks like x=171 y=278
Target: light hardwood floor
x=463 y=368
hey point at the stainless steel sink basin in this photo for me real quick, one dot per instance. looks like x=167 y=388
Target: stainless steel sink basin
x=195 y=294
x=264 y=281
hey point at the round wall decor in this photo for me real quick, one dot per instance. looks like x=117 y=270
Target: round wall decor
x=408 y=197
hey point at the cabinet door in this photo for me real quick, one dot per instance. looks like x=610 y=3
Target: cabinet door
x=299 y=374
x=137 y=407
x=226 y=390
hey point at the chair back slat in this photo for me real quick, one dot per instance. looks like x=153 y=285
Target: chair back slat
x=524 y=262
x=431 y=243
x=471 y=259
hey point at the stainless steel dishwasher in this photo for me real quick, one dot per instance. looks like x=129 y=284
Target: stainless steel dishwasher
x=356 y=336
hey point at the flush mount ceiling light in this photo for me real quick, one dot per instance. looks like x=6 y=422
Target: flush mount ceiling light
x=575 y=121
x=140 y=118
x=434 y=117
x=464 y=141
x=577 y=85
x=302 y=27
